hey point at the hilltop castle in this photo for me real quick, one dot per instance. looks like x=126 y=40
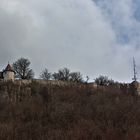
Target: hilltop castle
x=8 y=74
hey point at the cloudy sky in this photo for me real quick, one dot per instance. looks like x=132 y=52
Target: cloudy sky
x=95 y=37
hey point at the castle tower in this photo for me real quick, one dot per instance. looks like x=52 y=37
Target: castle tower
x=9 y=73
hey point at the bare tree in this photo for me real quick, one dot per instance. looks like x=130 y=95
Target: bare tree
x=62 y=74
x=103 y=81
x=45 y=74
x=56 y=76
x=76 y=77
x=65 y=75
x=21 y=67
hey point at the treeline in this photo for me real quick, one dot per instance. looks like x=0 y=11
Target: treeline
x=23 y=71
x=63 y=75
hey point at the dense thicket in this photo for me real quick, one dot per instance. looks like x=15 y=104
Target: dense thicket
x=46 y=112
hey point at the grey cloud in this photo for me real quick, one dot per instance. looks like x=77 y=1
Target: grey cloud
x=62 y=33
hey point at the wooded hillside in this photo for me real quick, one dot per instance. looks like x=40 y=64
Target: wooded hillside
x=68 y=113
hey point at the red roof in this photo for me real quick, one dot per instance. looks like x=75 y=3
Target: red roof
x=9 y=68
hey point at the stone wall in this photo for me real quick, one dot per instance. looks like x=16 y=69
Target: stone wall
x=44 y=82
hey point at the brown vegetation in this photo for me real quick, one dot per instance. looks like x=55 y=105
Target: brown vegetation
x=73 y=112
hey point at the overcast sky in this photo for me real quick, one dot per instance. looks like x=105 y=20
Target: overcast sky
x=95 y=37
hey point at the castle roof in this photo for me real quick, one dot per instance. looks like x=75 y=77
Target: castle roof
x=9 y=68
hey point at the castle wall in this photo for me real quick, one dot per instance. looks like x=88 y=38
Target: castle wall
x=44 y=82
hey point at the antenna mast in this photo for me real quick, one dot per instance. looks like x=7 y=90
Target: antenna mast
x=134 y=69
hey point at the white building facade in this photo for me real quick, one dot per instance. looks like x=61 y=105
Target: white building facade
x=8 y=74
